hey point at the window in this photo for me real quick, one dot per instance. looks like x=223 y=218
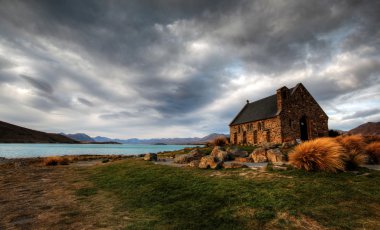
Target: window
x=255 y=137
x=290 y=122
x=262 y=125
x=238 y=129
x=259 y=126
x=268 y=136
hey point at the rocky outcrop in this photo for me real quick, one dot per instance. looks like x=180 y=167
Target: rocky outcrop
x=275 y=156
x=210 y=162
x=220 y=154
x=150 y=157
x=194 y=154
x=259 y=155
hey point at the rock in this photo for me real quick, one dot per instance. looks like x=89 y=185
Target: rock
x=195 y=154
x=268 y=146
x=150 y=157
x=234 y=152
x=243 y=159
x=233 y=165
x=275 y=156
x=210 y=162
x=259 y=155
x=194 y=163
x=183 y=158
x=220 y=154
x=288 y=145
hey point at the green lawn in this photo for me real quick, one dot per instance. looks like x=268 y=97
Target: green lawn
x=163 y=197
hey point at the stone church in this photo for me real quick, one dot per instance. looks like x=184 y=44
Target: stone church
x=289 y=115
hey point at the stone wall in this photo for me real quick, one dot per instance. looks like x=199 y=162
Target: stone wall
x=297 y=105
x=268 y=128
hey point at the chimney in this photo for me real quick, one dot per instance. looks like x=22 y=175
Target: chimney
x=282 y=95
x=247 y=101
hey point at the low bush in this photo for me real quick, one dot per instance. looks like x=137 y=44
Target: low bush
x=373 y=151
x=352 y=143
x=354 y=159
x=323 y=154
x=52 y=161
x=220 y=141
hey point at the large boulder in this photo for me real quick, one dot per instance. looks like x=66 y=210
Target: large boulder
x=275 y=156
x=220 y=154
x=210 y=162
x=150 y=157
x=259 y=155
x=194 y=154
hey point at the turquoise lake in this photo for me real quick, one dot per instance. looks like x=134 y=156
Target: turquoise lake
x=41 y=150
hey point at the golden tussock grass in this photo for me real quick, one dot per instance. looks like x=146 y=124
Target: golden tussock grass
x=354 y=159
x=373 y=151
x=220 y=141
x=352 y=143
x=323 y=154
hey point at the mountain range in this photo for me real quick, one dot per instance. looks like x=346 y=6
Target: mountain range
x=369 y=128
x=16 y=134
x=191 y=140
x=10 y=133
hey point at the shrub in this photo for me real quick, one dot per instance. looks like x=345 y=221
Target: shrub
x=220 y=141
x=373 y=151
x=354 y=159
x=320 y=154
x=352 y=143
x=52 y=161
x=333 y=133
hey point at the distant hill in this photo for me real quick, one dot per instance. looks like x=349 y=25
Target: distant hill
x=10 y=133
x=168 y=141
x=370 y=128
x=80 y=137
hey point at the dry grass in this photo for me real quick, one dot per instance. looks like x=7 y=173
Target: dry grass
x=373 y=151
x=323 y=154
x=52 y=161
x=354 y=159
x=220 y=141
x=352 y=143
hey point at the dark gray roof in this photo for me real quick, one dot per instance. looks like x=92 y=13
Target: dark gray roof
x=257 y=110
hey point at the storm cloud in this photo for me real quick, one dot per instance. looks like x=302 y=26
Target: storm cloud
x=169 y=68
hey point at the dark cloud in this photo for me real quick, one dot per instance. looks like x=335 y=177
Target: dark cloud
x=363 y=114
x=85 y=102
x=39 y=84
x=175 y=62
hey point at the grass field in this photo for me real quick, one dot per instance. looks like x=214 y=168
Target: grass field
x=163 y=197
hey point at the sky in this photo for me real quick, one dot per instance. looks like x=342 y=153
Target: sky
x=174 y=68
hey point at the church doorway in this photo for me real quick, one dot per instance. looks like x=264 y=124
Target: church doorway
x=304 y=129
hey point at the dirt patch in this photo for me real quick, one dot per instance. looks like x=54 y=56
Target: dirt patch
x=284 y=220
x=46 y=197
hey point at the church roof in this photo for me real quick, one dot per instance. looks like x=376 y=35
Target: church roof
x=257 y=110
